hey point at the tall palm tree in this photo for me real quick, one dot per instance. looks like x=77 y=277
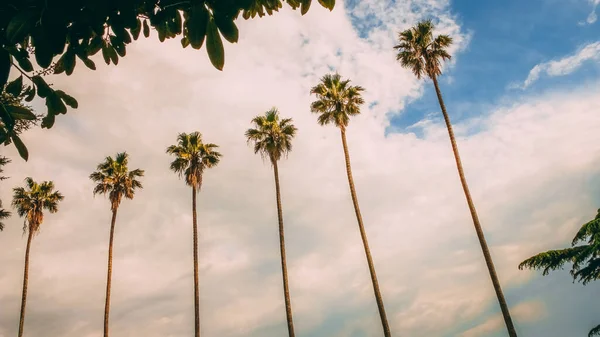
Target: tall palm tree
x=4 y=214
x=113 y=177
x=272 y=139
x=420 y=52
x=30 y=203
x=336 y=102
x=192 y=157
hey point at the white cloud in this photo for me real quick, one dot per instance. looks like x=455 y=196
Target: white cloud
x=563 y=66
x=592 y=17
x=525 y=169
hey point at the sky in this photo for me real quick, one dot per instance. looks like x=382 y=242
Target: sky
x=521 y=89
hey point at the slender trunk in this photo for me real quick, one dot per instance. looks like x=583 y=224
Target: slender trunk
x=363 y=234
x=109 y=272
x=286 y=289
x=196 y=292
x=25 y=280
x=484 y=247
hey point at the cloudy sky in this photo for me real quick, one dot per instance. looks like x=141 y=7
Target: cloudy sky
x=522 y=90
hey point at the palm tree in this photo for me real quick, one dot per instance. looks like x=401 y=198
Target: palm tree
x=272 y=138
x=583 y=257
x=336 y=102
x=192 y=157
x=4 y=214
x=420 y=52
x=30 y=203
x=113 y=177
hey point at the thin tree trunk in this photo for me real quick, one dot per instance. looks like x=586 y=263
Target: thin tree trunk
x=484 y=247
x=286 y=289
x=109 y=272
x=363 y=234
x=25 y=281
x=196 y=292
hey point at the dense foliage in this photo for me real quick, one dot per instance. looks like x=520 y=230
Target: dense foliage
x=67 y=30
x=584 y=258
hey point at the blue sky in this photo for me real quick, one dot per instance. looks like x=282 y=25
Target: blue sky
x=523 y=97
x=508 y=39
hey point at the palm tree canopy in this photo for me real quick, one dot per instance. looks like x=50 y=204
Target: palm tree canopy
x=585 y=258
x=336 y=100
x=420 y=52
x=32 y=200
x=3 y=161
x=113 y=177
x=192 y=156
x=272 y=136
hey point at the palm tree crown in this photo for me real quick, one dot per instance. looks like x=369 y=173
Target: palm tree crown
x=192 y=157
x=336 y=100
x=31 y=202
x=113 y=177
x=420 y=52
x=272 y=136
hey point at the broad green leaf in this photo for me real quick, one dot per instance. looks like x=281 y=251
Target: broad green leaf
x=228 y=28
x=15 y=87
x=135 y=31
x=43 y=50
x=30 y=94
x=106 y=52
x=185 y=42
x=20 y=146
x=24 y=63
x=214 y=46
x=112 y=53
x=59 y=68
x=305 y=6
x=196 y=25
x=329 y=4
x=161 y=29
x=69 y=61
x=43 y=90
x=89 y=63
x=48 y=121
x=69 y=100
x=3 y=136
x=94 y=46
x=6 y=118
x=19 y=26
x=4 y=66
x=125 y=37
x=146 y=29
x=19 y=112
x=55 y=105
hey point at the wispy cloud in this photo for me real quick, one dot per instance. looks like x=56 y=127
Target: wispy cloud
x=592 y=17
x=563 y=66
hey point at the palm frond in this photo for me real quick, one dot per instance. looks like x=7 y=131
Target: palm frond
x=552 y=259
x=114 y=178
x=420 y=52
x=192 y=156
x=336 y=100
x=32 y=200
x=271 y=136
x=594 y=332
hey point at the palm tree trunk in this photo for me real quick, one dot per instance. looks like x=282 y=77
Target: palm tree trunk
x=109 y=272
x=25 y=281
x=196 y=291
x=484 y=247
x=363 y=234
x=286 y=289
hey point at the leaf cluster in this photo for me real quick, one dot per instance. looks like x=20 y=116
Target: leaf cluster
x=40 y=31
x=113 y=177
x=192 y=157
x=271 y=135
